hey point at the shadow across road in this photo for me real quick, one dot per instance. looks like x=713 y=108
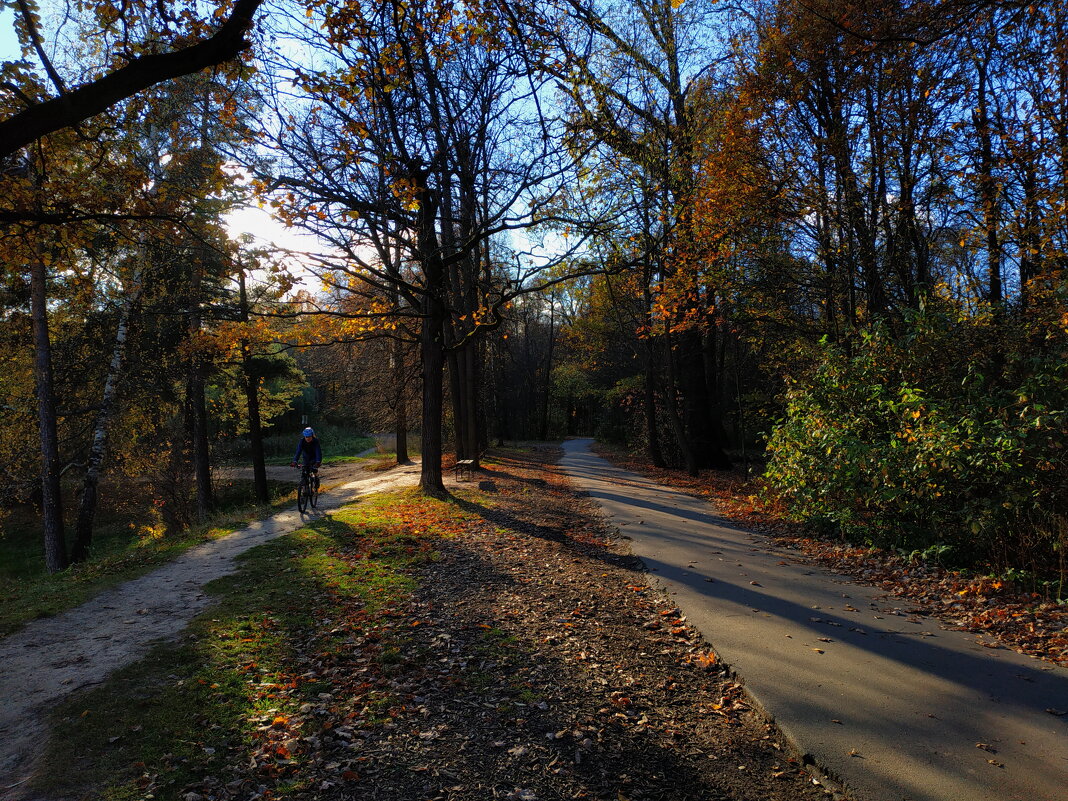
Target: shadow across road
x=887 y=702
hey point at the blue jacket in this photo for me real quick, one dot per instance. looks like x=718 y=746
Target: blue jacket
x=313 y=451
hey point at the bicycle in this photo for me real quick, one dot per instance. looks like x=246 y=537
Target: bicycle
x=307 y=489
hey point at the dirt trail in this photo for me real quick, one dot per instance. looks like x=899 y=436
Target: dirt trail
x=55 y=656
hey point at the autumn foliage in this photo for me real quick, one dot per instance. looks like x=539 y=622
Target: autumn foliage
x=962 y=457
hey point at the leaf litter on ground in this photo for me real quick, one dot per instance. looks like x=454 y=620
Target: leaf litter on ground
x=490 y=646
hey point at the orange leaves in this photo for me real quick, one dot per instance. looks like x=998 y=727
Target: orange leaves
x=227 y=337
x=406 y=191
x=620 y=701
x=705 y=660
x=983 y=587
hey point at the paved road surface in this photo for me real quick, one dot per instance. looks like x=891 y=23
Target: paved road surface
x=886 y=702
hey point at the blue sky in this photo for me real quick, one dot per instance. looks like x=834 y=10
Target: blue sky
x=9 y=45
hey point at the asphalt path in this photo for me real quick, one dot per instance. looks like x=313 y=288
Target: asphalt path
x=886 y=702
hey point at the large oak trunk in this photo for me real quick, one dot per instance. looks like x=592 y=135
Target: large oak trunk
x=433 y=353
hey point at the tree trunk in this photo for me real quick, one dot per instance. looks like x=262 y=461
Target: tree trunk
x=543 y=430
x=431 y=338
x=988 y=183
x=828 y=105
x=716 y=456
x=652 y=436
x=671 y=405
x=198 y=434
x=255 y=429
x=196 y=409
x=472 y=429
x=55 y=550
x=252 y=396
x=1060 y=117
x=1030 y=240
x=400 y=397
x=83 y=535
x=459 y=415
x=430 y=479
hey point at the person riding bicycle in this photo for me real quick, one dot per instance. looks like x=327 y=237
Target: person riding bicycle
x=308 y=446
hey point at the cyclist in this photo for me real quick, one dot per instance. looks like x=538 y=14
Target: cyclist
x=312 y=451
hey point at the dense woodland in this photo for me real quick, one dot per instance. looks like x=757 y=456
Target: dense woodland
x=824 y=241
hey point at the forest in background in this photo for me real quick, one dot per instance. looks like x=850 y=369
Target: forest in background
x=822 y=240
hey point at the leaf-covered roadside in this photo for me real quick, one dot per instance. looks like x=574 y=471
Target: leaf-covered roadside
x=499 y=645
x=997 y=610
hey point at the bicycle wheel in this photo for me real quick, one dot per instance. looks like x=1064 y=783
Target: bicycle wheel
x=302 y=495
x=313 y=492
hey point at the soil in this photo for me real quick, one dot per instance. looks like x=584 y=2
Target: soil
x=84 y=645
x=539 y=664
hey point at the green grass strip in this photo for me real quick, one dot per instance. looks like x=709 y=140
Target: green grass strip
x=123 y=550
x=230 y=695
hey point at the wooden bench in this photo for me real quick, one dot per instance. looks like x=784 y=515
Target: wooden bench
x=464 y=466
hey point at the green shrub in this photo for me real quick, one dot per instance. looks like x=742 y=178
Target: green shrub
x=952 y=433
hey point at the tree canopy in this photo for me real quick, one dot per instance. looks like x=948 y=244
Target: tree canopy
x=825 y=240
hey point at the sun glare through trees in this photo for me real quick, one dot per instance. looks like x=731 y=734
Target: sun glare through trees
x=799 y=267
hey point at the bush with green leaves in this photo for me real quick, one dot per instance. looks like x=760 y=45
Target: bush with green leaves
x=950 y=433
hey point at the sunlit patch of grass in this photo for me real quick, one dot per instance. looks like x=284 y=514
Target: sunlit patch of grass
x=338 y=446
x=231 y=700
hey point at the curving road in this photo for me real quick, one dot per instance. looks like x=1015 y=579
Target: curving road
x=887 y=703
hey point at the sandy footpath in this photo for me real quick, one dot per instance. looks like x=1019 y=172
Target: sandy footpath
x=53 y=657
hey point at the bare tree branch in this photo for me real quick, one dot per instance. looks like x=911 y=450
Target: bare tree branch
x=93 y=98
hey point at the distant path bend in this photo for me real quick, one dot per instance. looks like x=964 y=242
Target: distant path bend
x=53 y=657
x=887 y=702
